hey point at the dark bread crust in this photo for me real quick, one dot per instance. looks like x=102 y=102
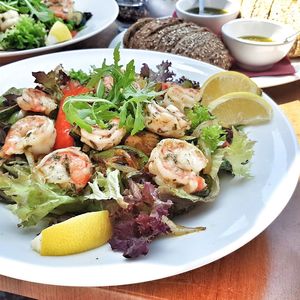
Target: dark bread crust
x=150 y=29
x=171 y=36
x=130 y=32
x=204 y=46
x=178 y=37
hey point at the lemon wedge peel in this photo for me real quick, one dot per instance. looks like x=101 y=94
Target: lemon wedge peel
x=241 y=108
x=226 y=82
x=59 y=32
x=75 y=235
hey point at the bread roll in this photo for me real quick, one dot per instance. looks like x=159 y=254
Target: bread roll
x=176 y=36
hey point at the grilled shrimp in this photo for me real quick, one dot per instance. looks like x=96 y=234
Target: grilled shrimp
x=66 y=167
x=168 y=122
x=181 y=97
x=61 y=8
x=177 y=163
x=8 y=19
x=102 y=139
x=37 y=101
x=108 y=82
x=32 y=134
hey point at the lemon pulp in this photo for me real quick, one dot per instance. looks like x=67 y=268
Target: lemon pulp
x=226 y=82
x=75 y=235
x=240 y=108
x=58 y=33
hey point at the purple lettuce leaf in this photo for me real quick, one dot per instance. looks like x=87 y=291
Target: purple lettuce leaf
x=141 y=222
x=163 y=73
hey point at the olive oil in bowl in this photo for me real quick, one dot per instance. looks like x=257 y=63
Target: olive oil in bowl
x=207 y=11
x=257 y=38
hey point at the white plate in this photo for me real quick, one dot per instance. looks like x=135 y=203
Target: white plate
x=243 y=209
x=101 y=19
x=261 y=81
x=269 y=81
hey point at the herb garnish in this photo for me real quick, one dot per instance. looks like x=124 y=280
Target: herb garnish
x=124 y=100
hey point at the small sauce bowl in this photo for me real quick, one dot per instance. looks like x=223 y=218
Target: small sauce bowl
x=211 y=21
x=160 y=8
x=257 y=55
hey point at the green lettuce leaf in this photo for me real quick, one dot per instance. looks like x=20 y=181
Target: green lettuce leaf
x=180 y=193
x=106 y=188
x=34 y=199
x=212 y=136
x=216 y=162
x=239 y=153
x=26 y=34
x=197 y=115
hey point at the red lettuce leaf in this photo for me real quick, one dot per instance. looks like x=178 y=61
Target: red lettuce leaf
x=142 y=221
x=163 y=73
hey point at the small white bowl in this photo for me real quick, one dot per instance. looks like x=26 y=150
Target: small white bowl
x=213 y=22
x=252 y=55
x=160 y=8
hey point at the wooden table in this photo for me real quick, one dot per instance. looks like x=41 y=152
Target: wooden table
x=266 y=268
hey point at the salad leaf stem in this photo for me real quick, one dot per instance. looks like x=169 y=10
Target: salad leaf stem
x=5 y=6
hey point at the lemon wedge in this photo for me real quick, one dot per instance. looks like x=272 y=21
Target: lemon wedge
x=226 y=82
x=240 y=108
x=58 y=33
x=75 y=235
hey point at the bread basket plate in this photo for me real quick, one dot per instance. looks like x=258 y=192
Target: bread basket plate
x=261 y=81
x=100 y=20
x=231 y=221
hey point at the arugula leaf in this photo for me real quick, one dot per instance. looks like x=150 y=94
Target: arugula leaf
x=116 y=54
x=85 y=111
x=131 y=115
x=97 y=74
x=139 y=123
x=148 y=91
x=40 y=10
x=124 y=100
x=100 y=89
x=121 y=78
x=79 y=75
x=4 y=6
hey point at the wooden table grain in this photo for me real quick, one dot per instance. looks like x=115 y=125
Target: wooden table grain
x=266 y=268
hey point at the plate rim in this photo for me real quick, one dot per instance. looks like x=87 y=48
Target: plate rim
x=6 y=263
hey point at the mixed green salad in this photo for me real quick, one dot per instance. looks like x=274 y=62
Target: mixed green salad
x=136 y=143
x=26 y=24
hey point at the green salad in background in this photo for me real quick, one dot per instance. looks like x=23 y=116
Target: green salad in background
x=29 y=24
